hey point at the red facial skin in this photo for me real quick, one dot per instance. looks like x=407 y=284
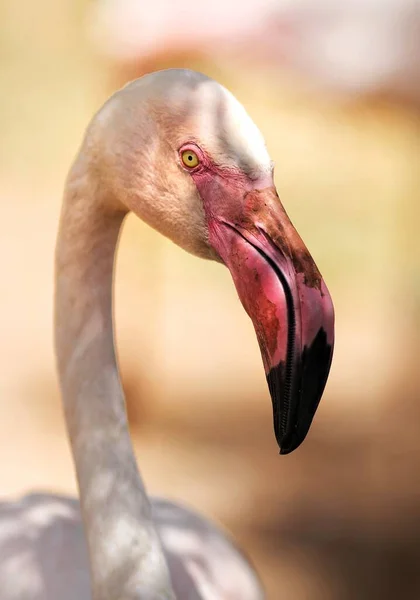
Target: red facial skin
x=277 y=280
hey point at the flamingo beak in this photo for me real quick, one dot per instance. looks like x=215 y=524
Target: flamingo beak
x=283 y=292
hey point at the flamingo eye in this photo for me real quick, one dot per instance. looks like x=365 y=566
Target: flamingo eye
x=189 y=158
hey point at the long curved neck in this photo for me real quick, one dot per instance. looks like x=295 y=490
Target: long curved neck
x=126 y=556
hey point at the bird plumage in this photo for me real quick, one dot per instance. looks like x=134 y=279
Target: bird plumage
x=43 y=553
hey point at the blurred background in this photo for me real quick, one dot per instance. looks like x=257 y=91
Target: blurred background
x=335 y=89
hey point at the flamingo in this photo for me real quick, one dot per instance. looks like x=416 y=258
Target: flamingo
x=180 y=151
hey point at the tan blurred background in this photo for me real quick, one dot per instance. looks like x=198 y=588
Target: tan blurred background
x=336 y=95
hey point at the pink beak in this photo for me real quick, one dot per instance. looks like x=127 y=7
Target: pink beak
x=283 y=292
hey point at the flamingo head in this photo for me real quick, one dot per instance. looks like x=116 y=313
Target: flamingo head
x=186 y=157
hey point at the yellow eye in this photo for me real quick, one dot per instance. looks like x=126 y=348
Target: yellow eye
x=190 y=159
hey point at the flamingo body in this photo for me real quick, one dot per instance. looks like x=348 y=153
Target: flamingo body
x=43 y=553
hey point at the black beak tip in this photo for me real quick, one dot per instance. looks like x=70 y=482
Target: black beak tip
x=289 y=449
x=293 y=416
x=292 y=440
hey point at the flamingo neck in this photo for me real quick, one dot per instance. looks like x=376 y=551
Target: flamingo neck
x=126 y=557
